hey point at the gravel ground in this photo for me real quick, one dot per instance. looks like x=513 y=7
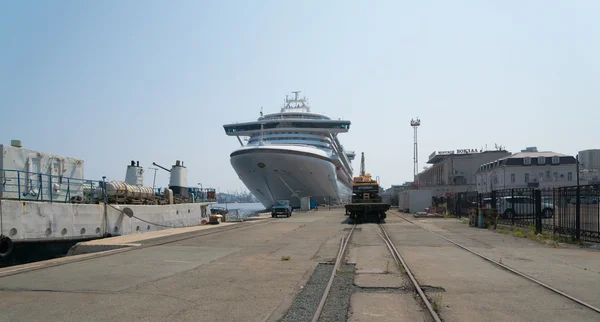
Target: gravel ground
x=338 y=301
x=336 y=307
x=305 y=303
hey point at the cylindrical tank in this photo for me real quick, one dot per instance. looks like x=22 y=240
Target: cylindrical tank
x=169 y=196
x=123 y=190
x=178 y=180
x=116 y=189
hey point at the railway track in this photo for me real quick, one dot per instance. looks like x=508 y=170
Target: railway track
x=397 y=258
x=338 y=260
x=401 y=262
x=500 y=265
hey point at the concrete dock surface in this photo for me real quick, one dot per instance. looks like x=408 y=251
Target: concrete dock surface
x=254 y=272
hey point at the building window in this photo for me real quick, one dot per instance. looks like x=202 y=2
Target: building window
x=555 y=176
x=526 y=177
x=527 y=161
x=512 y=177
x=570 y=176
x=541 y=160
x=556 y=159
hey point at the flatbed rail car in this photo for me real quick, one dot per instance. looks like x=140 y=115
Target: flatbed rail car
x=366 y=201
x=358 y=212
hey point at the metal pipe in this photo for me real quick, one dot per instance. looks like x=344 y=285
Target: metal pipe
x=154 y=163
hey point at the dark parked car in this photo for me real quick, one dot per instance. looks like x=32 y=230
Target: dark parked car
x=281 y=207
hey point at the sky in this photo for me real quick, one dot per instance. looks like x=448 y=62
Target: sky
x=154 y=81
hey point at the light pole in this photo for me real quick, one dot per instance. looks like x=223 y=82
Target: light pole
x=201 y=191
x=153 y=181
x=415 y=125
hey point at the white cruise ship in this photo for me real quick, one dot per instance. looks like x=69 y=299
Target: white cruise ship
x=293 y=154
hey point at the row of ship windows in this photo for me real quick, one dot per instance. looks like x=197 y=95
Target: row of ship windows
x=302 y=116
x=275 y=125
x=310 y=141
x=286 y=133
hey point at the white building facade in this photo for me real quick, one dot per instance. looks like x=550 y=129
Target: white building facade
x=590 y=159
x=544 y=170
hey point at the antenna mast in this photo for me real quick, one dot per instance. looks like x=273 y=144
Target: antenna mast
x=296 y=95
x=415 y=125
x=362 y=164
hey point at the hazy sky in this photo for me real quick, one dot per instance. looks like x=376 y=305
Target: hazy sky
x=112 y=81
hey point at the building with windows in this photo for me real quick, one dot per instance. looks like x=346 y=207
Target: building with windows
x=543 y=170
x=589 y=159
x=455 y=171
x=390 y=195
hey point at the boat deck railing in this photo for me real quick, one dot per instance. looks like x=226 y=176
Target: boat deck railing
x=35 y=186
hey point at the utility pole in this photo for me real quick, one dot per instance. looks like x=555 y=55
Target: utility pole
x=154 y=181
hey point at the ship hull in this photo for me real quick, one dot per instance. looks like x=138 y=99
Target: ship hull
x=36 y=221
x=276 y=173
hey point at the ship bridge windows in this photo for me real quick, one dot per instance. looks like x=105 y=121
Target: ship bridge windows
x=321 y=125
x=248 y=127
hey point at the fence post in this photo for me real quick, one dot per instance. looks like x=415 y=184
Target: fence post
x=494 y=206
x=578 y=214
x=18 y=183
x=41 y=193
x=512 y=200
x=50 y=186
x=578 y=205
x=68 y=194
x=555 y=209
x=538 y=211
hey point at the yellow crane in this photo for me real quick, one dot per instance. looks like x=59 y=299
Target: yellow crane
x=365 y=197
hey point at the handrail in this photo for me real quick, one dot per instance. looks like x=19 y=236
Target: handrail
x=36 y=186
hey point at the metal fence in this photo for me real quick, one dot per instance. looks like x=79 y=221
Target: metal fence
x=460 y=203
x=578 y=212
x=33 y=186
x=570 y=212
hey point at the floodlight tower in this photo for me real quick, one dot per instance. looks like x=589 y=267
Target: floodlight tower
x=415 y=125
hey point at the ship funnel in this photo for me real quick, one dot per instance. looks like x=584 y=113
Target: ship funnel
x=134 y=175
x=178 y=181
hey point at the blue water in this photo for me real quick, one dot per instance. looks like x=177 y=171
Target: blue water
x=244 y=209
